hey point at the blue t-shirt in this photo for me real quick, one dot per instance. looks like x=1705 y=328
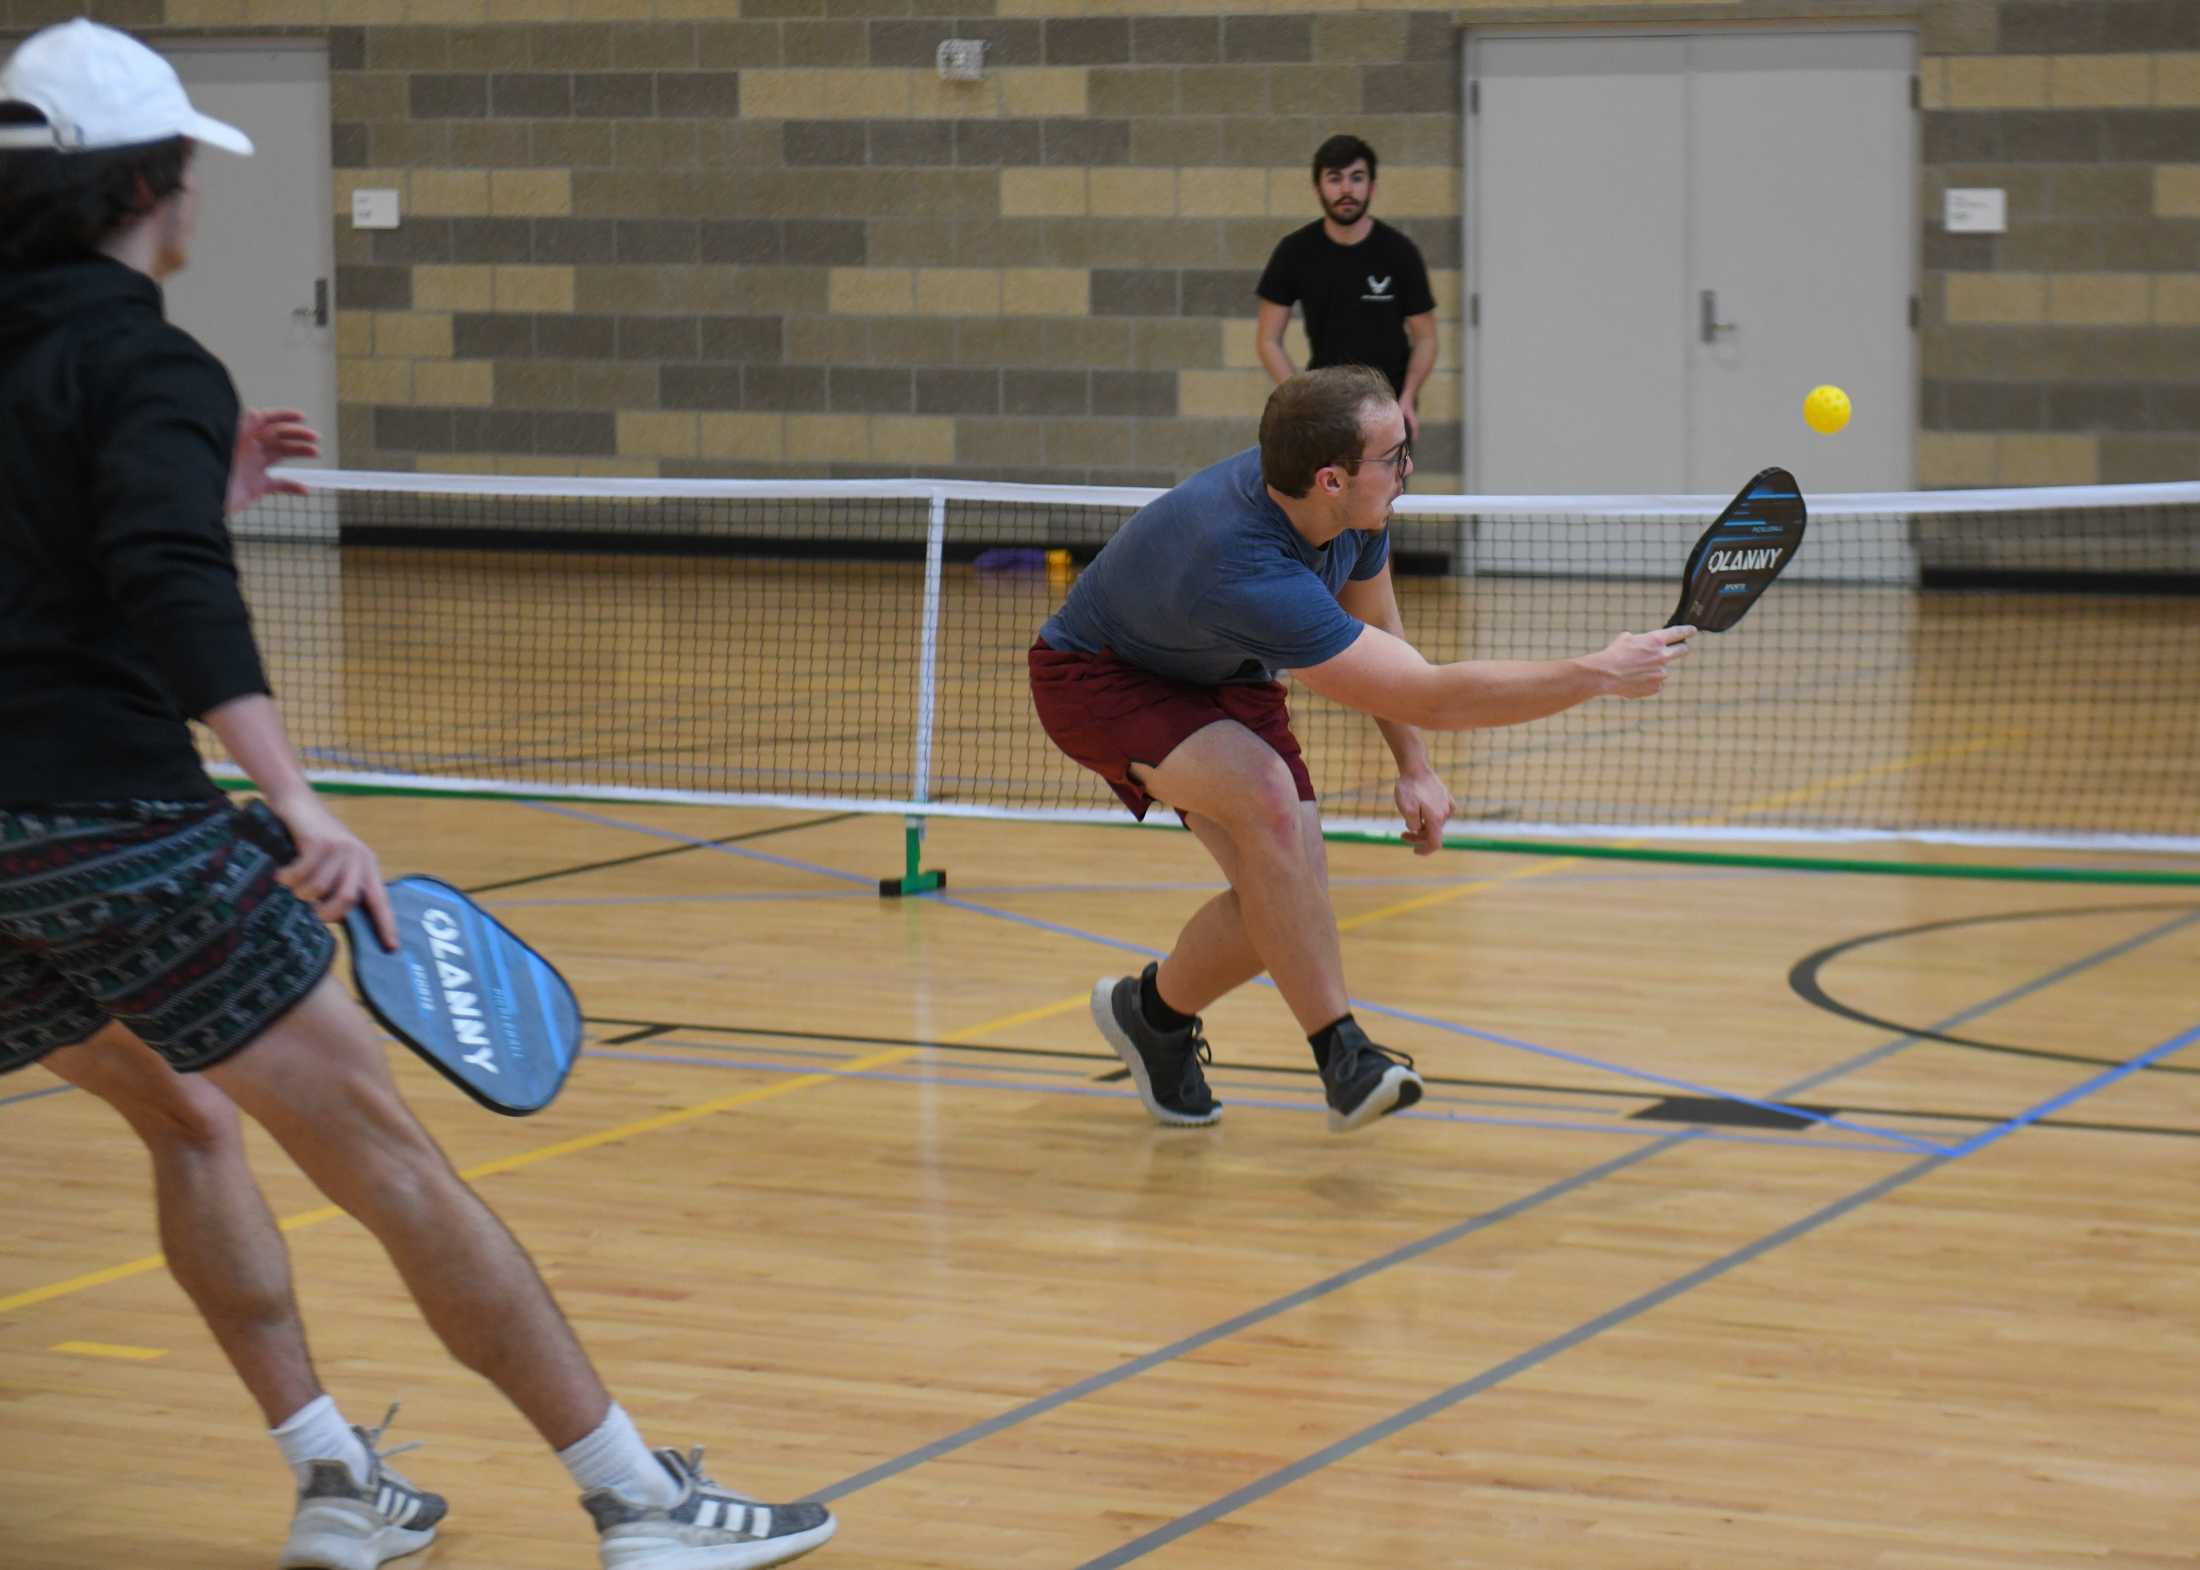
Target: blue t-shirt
x=1211 y=584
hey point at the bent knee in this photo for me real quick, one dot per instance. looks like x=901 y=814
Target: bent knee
x=1268 y=808
x=165 y=1108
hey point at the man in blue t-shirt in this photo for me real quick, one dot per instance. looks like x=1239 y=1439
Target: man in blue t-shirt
x=1159 y=674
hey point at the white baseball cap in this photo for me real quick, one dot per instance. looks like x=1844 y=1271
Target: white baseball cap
x=102 y=89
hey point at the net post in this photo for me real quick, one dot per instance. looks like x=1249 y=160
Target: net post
x=915 y=879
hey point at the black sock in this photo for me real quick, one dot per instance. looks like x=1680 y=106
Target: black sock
x=1326 y=1037
x=1158 y=1014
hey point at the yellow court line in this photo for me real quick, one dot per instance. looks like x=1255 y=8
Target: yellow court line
x=128 y=1354
x=1027 y=1017
x=1766 y=804
x=1458 y=892
x=1916 y=760
x=97 y=1278
x=742 y=1098
x=665 y=1120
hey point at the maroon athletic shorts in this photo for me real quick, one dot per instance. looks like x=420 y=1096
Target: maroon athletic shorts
x=1109 y=714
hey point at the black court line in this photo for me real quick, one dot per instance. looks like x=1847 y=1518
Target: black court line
x=1806 y=981
x=646 y=1033
x=656 y=855
x=649 y=1029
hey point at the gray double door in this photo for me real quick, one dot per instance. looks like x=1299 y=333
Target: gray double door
x=1671 y=240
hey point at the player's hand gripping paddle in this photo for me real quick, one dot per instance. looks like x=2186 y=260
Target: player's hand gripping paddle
x=1745 y=548
x=492 y=1015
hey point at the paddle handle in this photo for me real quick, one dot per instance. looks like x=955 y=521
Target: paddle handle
x=257 y=822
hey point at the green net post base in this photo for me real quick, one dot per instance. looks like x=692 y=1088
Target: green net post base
x=914 y=878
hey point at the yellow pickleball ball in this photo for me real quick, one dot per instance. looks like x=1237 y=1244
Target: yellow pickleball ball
x=1826 y=410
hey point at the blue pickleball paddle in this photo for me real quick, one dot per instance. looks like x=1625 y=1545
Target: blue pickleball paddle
x=489 y=1013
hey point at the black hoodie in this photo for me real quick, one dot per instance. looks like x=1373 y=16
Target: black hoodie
x=120 y=614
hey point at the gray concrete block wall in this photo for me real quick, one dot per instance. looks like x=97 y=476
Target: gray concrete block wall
x=761 y=237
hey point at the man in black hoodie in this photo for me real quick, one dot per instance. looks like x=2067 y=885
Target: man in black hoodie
x=149 y=953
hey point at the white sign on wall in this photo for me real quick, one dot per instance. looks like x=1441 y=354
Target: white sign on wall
x=1976 y=211
x=374 y=209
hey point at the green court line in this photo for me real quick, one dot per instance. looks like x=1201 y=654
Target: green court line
x=1999 y=872
x=1709 y=858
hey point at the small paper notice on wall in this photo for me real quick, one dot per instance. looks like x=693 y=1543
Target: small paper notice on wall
x=374 y=209
x=1977 y=211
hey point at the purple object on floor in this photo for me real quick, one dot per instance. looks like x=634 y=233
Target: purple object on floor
x=1011 y=558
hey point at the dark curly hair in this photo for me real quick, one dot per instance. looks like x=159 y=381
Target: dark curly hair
x=1341 y=153
x=58 y=207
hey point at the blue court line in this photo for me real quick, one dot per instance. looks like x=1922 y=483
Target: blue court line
x=1582 y=1060
x=1905 y=1141
x=1424 y=1113
x=34 y=1095
x=2100 y=1081
x=1633 y=1308
x=1579 y=1060
x=1439 y=1095
x=937 y=898
x=753 y=1040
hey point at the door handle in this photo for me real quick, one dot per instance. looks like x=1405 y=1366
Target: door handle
x=1711 y=325
x=317 y=312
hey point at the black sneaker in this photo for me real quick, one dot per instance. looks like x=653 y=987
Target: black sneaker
x=709 y=1527
x=1366 y=1082
x=1165 y=1066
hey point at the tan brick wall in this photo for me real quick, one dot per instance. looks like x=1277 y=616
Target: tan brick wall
x=761 y=236
x=2065 y=350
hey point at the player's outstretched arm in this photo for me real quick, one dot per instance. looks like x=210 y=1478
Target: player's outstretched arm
x=1388 y=678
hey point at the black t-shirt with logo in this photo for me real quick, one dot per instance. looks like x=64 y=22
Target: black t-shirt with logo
x=1356 y=298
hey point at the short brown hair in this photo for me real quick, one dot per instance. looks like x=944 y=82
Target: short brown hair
x=1316 y=419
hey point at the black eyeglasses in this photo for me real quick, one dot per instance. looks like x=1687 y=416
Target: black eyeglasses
x=1399 y=457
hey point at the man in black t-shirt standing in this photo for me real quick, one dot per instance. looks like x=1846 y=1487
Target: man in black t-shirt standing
x=1362 y=284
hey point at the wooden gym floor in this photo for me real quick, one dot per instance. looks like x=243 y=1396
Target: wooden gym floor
x=850 y=1191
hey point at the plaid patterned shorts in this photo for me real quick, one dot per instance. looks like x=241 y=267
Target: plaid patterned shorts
x=156 y=914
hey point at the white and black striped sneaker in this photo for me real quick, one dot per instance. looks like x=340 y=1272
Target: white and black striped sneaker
x=345 y=1525
x=709 y=1527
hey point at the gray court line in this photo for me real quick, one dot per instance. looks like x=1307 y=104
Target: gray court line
x=1230 y=1327
x=1420 y=1411
x=1259 y=1489
x=1092 y=1384
x=738 y=852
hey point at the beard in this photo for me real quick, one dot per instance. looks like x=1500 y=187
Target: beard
x=1345 y=211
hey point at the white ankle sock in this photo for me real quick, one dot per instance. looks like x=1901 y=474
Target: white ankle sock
x=318 y=1432
x=614 y=1457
